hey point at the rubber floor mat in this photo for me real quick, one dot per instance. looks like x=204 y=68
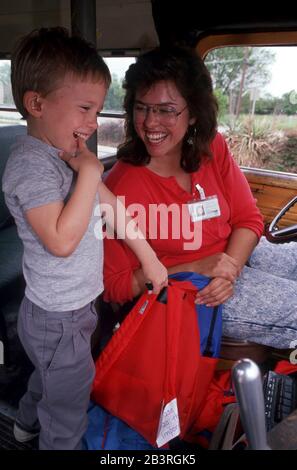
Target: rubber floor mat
x=7 y=440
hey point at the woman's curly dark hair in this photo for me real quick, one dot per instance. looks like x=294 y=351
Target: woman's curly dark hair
x=188 y=72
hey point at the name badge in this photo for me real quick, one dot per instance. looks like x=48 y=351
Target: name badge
x=204 y=209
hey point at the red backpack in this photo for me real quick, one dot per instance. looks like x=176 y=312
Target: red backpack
x=152 y=374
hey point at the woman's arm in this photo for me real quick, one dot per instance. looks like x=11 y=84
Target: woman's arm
x=217 y=265
x=241 y=244
x=217 y=291
x=124 y=278
x=223 y=268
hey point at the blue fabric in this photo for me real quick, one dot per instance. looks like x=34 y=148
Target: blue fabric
x=106 y=432
x=205 y=315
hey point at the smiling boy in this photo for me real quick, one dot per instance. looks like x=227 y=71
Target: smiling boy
x=59 y=85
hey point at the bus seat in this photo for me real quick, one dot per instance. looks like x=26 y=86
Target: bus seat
x=234 y=349
x=17 y=367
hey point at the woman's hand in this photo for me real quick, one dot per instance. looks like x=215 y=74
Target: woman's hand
x=218 y=265
x=215 y=293
x=155 y=272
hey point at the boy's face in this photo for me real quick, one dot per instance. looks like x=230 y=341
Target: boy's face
x=69 y=111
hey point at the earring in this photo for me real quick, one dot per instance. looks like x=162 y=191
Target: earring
x=192 y=131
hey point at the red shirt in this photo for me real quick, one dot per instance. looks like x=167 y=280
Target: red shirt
x=168 y=234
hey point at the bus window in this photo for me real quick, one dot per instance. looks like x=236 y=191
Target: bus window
x=257 y=95
x=8 y=113
x=111 y=120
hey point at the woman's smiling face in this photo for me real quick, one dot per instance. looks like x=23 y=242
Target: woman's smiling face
x=161 y=119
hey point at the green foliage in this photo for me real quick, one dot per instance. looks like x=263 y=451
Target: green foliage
x=268 y=105
x=115 y=96
x=238 y=70
x=252 y=142
x=272 y=105
x=225 y=65
x=5 y=82
x=111 y=131
x=285 y=159
x=289 y=105
x=222 y=101
x=268 y=142
x=245 y=104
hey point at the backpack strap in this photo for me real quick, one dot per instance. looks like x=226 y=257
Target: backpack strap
x=223 y=436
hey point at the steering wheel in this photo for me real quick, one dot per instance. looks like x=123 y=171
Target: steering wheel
x=284 y=235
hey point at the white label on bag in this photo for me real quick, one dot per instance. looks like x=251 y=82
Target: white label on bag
x=169 y=426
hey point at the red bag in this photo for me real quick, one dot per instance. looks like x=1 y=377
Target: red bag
x=285 y=367
x=152 y=374
x=220 y=393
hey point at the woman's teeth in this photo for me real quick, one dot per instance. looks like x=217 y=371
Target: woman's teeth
x=156 y=137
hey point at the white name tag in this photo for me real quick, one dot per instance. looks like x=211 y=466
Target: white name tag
x=204 y=209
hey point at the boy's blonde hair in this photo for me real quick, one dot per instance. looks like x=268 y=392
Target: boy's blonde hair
x=42 y=58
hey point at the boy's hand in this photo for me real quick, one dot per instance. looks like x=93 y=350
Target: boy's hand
x=156 y=274
x=83 y=158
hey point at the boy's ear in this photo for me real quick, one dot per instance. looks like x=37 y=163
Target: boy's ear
x=32 y=103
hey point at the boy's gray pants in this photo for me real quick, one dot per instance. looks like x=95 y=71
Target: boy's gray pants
x=58 y=344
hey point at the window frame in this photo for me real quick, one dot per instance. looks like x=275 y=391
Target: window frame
x=261 y=39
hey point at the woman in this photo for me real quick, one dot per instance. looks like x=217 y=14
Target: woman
x=176 y=173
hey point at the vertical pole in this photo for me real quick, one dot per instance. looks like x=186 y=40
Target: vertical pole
x=83 y=23
x=242 y=80
x=248 y=388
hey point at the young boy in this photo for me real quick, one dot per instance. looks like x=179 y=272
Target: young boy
x=59 y=84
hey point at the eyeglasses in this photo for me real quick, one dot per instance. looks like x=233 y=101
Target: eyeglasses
x=166 y=115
